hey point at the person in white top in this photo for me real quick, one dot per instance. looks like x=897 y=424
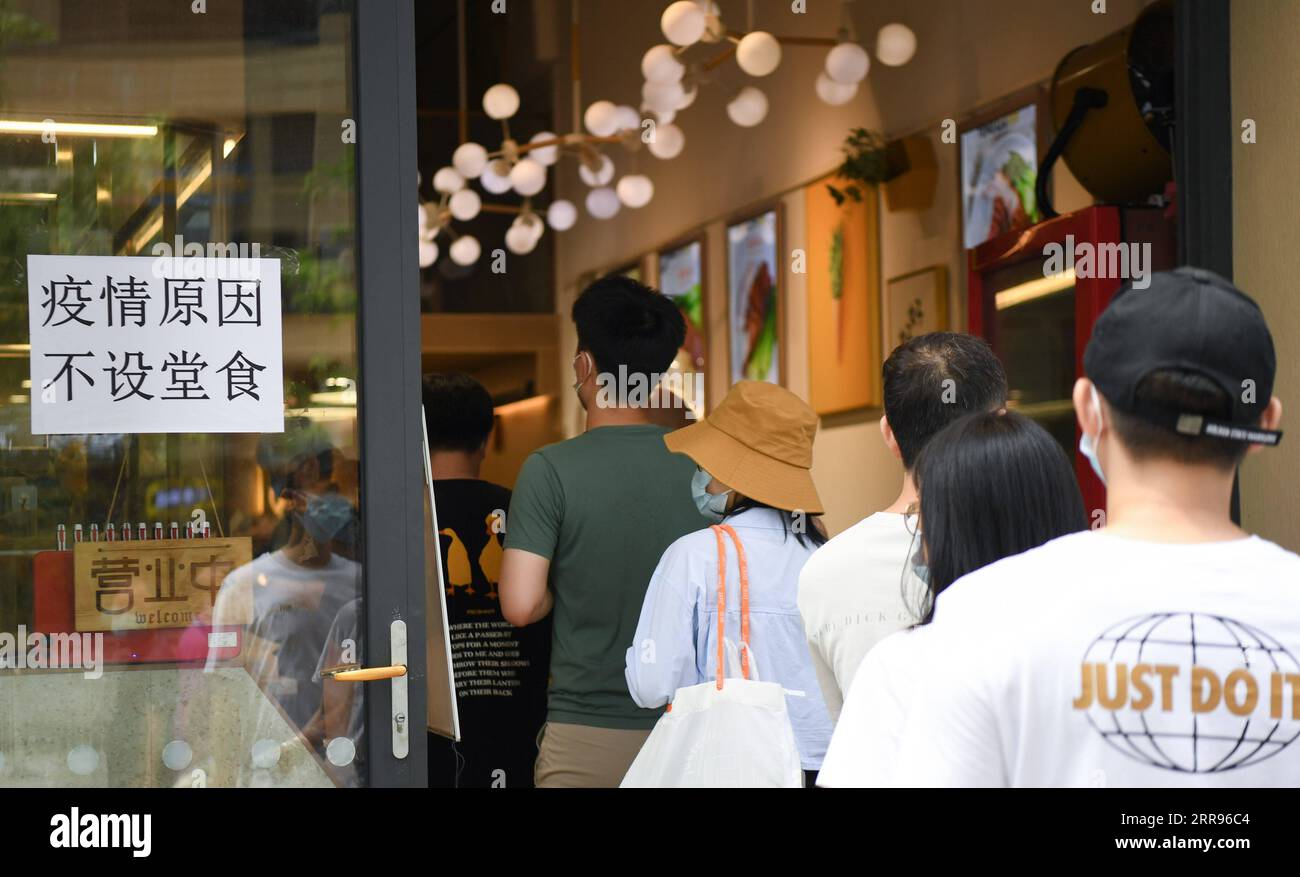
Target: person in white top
x=851 y=592
x=991 y=485
x=1163 y=649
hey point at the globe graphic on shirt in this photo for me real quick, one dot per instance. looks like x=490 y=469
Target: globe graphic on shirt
x=1223 y=703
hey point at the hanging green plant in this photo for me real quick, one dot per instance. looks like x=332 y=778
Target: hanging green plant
x=865 y=162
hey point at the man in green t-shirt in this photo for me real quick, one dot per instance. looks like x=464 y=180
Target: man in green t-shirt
x=587 y=524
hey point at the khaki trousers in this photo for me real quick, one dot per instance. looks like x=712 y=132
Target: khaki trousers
x=583 y=757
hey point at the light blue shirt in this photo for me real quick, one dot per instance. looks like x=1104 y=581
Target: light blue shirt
x=676 y=643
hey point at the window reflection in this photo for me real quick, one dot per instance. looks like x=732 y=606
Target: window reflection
x=144 y=124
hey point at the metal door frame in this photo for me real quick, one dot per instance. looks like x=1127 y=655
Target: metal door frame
x=392 y=471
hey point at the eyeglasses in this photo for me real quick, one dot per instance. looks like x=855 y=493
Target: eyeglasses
x=912 y=520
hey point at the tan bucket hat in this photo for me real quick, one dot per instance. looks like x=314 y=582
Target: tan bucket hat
x=759 y=440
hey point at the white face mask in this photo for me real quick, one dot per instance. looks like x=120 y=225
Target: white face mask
x=713 y=506
x=1088 y=445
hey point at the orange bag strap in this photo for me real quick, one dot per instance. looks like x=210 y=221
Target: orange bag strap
x=718 y=530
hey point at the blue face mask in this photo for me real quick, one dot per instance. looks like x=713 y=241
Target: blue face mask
x=1088 y=447
x=713 y=506
x=326 y=515
x=920 y=569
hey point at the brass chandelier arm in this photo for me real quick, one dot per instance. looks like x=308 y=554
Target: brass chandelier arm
x=561 y=141
x=736 y=36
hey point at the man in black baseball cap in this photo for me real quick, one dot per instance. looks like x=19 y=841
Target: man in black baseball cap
x=1158 y=650
x=1186 y=370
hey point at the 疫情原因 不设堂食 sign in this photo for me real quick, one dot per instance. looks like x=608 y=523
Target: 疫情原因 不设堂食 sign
x=136 y=344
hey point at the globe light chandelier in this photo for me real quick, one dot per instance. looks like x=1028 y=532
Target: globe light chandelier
x=671 y=85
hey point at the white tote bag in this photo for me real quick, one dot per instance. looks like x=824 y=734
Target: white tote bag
x=730 y=732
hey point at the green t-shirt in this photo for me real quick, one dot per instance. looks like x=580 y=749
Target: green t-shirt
x=603 y=507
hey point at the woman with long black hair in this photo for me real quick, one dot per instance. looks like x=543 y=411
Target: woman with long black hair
x=991 y=485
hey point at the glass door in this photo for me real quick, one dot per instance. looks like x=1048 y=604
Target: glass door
x=176 y=602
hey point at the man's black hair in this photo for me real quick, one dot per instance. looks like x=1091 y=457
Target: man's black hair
x=918 y=402
x=625 y=323
x=1184 y=391
x=458 y=412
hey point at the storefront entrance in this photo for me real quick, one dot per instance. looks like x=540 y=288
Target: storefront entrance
x=174 y=602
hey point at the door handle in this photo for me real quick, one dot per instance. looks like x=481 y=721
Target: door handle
x=396 y=672
x=357 y=673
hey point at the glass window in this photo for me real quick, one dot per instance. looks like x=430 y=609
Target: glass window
x=125 y=126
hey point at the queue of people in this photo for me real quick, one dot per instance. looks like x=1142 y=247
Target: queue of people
x=984 y=629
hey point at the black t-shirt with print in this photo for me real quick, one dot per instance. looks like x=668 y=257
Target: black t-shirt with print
x=501 y=670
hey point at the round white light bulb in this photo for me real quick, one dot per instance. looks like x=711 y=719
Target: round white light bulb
x=659 y=118
x=835 y=93
x=500 y=101
x=668 y=141
x=496 y=177
x=688 y=96
x=601 y=175
x=469 y=159
x=545 y=155
x=626 y=118
x=600 y=118
x=683 y=23
x=446 y=181
x=561 y=215
x=635 y=190
x=847 y=63
x=660 y=64
x=428 y=253
x=528 y=177
x=602 y=203
x=748 y=107
x=465 y=204
x=465 y=250
x=895 y=44
x=663 y=96
x=532 y=222
x=520 y=239
x=758 y=53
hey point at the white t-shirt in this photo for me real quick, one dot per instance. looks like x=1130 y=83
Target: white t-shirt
x=293 y=608
x=1096 y=660
x=851 y=597
x=864 y=748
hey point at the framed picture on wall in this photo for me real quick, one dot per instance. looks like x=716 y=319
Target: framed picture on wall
x=681 y=278
x=843 y=265
x=754 y=297
x=999 y=166
x=914 y=303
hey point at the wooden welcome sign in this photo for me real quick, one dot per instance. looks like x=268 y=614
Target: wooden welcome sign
x=159 y=583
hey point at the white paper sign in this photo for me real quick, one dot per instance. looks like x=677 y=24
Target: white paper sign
x=139 y=344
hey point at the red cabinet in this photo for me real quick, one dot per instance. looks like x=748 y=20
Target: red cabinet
x=1035 y=295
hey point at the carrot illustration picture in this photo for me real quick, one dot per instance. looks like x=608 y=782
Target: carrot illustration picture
x=837 y=287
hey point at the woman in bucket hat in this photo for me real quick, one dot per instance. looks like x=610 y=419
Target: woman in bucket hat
x=753 y=456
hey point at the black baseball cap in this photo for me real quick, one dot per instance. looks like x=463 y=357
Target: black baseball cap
x=1190 y=320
